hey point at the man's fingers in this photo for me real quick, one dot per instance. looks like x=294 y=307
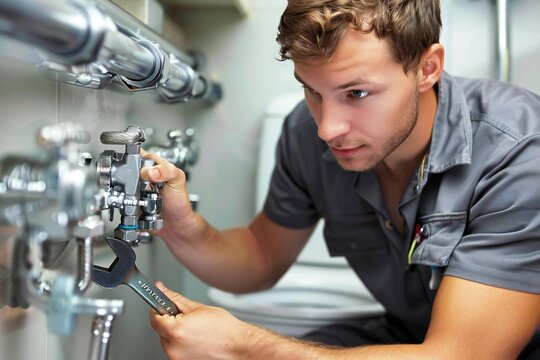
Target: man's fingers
x=151 y=174
x=162 y=323
x=157 y=159
x=164 y=172
x=165 y=325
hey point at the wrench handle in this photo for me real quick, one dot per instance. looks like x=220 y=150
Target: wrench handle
x=151 y=294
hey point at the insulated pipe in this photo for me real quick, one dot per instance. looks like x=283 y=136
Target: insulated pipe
x=503 y=41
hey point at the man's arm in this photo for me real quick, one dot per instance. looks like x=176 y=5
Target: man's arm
x=242 y=259
x=469 y=321
x=481 y=321
x=237 y=260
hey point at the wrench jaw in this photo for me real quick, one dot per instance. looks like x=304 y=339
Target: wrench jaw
x=104 y=278
x=118 y=271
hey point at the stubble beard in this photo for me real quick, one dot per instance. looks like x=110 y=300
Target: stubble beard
x=374 y=158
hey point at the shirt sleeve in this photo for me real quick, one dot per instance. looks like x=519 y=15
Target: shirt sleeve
x=289 y=202
x=501 y=246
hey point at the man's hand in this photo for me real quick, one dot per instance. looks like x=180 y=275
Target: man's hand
x=200 y=332
x=173 y=178
x=179 y=218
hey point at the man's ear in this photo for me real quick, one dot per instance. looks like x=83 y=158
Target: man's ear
x=431 y=67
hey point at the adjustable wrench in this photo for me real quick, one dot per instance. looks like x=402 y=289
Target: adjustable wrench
x=124 y=271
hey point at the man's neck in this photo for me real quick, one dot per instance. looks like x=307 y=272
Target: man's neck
x=395 y=171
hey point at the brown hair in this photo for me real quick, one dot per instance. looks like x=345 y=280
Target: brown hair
x=312 y=28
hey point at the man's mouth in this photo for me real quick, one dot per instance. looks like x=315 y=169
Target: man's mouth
x=346 y=152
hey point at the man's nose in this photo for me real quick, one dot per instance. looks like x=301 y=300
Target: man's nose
x=332 y=122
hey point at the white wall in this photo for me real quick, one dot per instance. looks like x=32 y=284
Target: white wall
x=469 y=37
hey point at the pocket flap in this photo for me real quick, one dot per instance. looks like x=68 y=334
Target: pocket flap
x=443 y=233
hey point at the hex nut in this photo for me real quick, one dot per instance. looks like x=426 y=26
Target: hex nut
x=130 y=236
x=156 y=224
x=90 y=227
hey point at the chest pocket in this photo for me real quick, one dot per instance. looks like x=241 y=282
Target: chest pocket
x=441 y=236
x=354 y=235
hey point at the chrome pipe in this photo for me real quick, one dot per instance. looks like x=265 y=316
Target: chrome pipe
x=85 y=262
x=34 y=291
x=503 y=41
x=62 y=29
x=123 y=56
x=75 y=33
x=101 y=337
x=86 y=232
x=101 y=35
x=132 y=26
x=180 y=80
x=70 y=32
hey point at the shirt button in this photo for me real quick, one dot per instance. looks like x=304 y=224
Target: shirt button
x=417 y=188
x=388 y=225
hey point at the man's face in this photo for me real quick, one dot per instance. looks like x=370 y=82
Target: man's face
x=364 y=105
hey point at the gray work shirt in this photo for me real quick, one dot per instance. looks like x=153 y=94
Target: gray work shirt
x=477 y=199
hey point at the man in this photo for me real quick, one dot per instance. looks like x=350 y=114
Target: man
x=429 y=186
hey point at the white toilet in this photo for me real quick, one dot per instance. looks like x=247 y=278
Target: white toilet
x=317 y=289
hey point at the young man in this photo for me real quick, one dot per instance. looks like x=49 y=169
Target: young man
x=429 y=186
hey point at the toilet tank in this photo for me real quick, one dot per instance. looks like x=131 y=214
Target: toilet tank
x=315 y=252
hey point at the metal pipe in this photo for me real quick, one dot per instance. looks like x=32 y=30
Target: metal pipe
x=62 y=29
x=131 y=25
x=101 y=337
x=503 y=41
x=32 y=288
x=85 y=261
x=101 y=34
x=123 y=56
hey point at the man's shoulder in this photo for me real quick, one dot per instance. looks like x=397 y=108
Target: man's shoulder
x=503 y=105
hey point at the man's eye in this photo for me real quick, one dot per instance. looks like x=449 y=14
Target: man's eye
x=358 y=94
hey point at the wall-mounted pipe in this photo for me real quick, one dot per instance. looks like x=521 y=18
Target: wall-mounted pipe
x=133 y=26
x=81 y=32
x=101 y=337
x=65 y=26
x=86 y=231
x=503 y=41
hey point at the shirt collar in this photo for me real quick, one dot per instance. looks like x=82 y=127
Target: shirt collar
x=451 y=139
